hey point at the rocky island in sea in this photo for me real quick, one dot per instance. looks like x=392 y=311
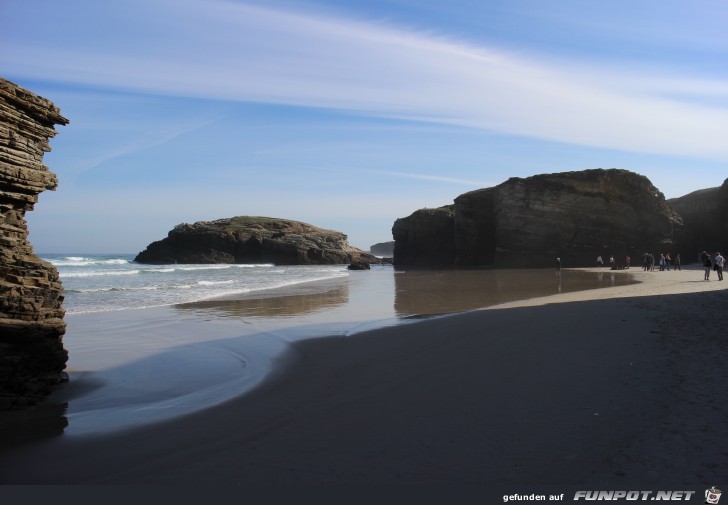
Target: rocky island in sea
x=252 y=239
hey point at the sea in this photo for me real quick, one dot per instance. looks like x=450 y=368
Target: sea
x=112 y=282
x=95 y=283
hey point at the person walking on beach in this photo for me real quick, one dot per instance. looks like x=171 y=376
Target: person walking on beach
x=558 y=264
x=707 y=264
x=600 y=262
x=677 y=262
x=668 y=260
x=719 y=262
x=627 y=261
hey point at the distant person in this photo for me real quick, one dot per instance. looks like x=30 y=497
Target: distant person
x=651 y=261
x=707 y=264
x=627 y=261
x=558 y=264
x=719 y=262
x=662 y=262
x=677 y=261
x=668 y=260
x=611 y=262
x=600 y=262
x=645 y=262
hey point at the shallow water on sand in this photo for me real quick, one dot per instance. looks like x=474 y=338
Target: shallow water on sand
x=138 y=366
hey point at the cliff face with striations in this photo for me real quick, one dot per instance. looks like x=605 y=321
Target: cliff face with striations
x=248 y=239
x=705 y=215
x=529 y=222
x=31 y=313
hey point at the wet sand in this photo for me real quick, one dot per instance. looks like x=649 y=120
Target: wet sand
x=611 y=386
x=133 y=367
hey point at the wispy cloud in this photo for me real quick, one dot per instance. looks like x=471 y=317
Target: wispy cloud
x=233 y=51
x=435 y=178
x=140 y=144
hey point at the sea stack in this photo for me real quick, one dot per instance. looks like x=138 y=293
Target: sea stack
x=32 y=356
x=253 y=239
x=529 y=222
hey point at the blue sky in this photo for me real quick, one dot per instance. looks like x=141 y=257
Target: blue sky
x=348 y=115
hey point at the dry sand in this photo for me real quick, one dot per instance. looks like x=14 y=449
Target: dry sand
x=604 y=388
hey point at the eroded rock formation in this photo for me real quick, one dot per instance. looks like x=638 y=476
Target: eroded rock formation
x=425 y=238
x=31 y=313
x=529 y=222
x=247 y=239
x=705 y=217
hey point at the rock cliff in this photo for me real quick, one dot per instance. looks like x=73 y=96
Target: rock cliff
x=32 y=356
x=384 y=249
x=247 y=239
x=529 y=222
x=425 y=238
x=705 y=218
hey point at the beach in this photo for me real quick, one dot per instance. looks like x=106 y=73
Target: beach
x=615 y=386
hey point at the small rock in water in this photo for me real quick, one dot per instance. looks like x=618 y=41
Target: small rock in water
x=359 y=265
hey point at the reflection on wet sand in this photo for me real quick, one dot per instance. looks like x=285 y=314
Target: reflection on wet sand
x=311 y=299
x=416 y=292
x=42 y=421
x=423 y=292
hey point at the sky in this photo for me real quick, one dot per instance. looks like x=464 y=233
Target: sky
x=351 y=114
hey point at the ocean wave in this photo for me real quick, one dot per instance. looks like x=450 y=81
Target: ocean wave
x=114 y=289
x=168 y=270
x=80 y=261
x=193 y=268
x=134 y=286
x=97 y=273
x=214 y=283
x=190 y=268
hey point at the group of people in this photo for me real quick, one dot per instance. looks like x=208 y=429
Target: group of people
x=713 y=262
x=613 y=263
x=663 y=263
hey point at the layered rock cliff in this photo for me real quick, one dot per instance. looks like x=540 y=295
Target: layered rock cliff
x=31 y=312
x=529 y=222
x=247 y=239
x=705 y=218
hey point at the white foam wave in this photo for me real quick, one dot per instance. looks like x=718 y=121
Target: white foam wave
x=98 y=273
x=112 y=283
x=189 y=268
x=214 y=283
x=78 y=261
x=112 y=290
